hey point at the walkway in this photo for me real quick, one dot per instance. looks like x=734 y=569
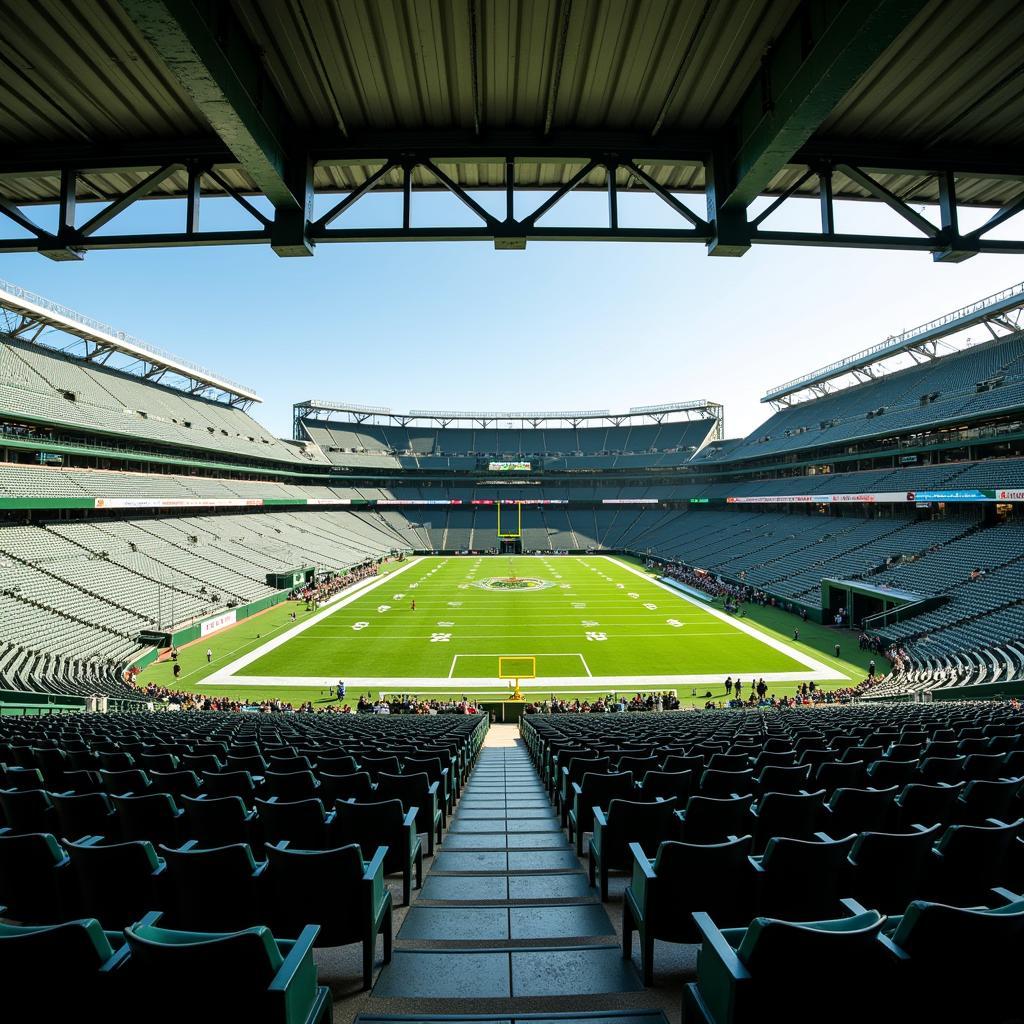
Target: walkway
x=506 y=922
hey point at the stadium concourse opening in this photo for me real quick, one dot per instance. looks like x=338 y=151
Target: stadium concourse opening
x=595 y=715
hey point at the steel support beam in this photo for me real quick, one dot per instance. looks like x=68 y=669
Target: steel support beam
x=205 y=47
x=823 y=50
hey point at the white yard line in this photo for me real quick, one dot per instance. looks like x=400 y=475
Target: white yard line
x=817 y=667
x=332 y=604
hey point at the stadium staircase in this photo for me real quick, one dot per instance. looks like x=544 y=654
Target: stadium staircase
x=506 y=922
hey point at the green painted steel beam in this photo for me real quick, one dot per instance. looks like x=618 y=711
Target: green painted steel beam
x=820 y=54
x=205 y=47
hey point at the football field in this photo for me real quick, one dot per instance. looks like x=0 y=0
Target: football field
x=580 y=623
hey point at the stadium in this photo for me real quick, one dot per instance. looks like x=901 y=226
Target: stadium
x=508 y=714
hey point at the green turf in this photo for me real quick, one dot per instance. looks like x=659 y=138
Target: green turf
x=625 y=621
x=592 y=617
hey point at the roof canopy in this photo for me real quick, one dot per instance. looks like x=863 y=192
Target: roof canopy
x=902 y=102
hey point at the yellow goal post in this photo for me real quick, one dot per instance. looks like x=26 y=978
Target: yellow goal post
x=513 y=531
x=517 y=667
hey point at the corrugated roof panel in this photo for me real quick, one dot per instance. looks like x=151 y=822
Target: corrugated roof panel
x=76 y=73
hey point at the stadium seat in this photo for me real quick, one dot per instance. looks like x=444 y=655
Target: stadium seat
x=85 y=814
x=338 y=764
x=345 y=894
x=720 y=783
x=34 y=878
x=129 y=782
x=80 y=951
x=376 y=765
x=685 y=763
x=27 y=810
x=302 y=823
x=968 y=860
x=977 y=946
x=941 y=769
x=116 y=883
x=785 y=868
x=665 y=891
x=292 y=785
x=661 y=784
x=218 y=821
x=919 y=804
x=782 y=779
x=436 y=773
x=857 y=810
x=152 y=816
x=713 y=819
x=794 y=815
x=887 y=772
x=257 y=977
x=229 y=783
x=572 y=771
x=887 y=867
x=212 y=889
x=354 y=786
x=744 y=975
x=981 y=799
x=384 y=824
x=178 y=783
x=595 y=789
x=414 y=791
x=625 y=822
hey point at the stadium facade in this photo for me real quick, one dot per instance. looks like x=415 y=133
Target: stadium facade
x=144 y=503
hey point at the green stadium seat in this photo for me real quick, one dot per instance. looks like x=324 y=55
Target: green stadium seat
x=386 y=824
x=34 y=877
x=596 y=789
x=218 y=821
x=414 y=790
x=213 y=889
x=753 y=974
x=344 y=894
x=117 y=882
x=249 y=975
x=625 y=822
x=682 y=878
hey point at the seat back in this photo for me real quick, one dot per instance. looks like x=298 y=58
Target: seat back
x=770 y=947
x=215 y=821
x=712 y=819
x=632 y=822
x=667 y=784
x=250 y=958
x=213 y=889
x=296 y=881
x=115 y=883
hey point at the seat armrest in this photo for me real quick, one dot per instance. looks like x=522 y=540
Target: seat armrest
x=853 y=906
x=715 y=950
x=642 y=862
x=375 y=866
x=410 y=817
x=189 y=844
x=299 y=952
x=123 y=952
x=1005 y=894
x=577 y=789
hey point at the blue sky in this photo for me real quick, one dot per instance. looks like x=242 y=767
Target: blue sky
x=559 y=326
